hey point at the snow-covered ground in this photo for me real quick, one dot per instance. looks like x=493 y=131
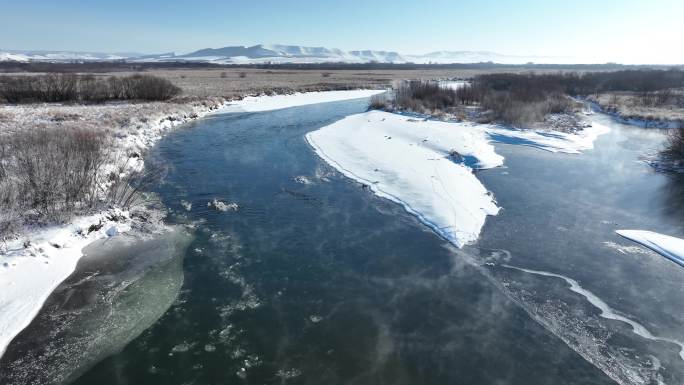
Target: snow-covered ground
x=32 y=267
x=426 y=165
x=275 y=102
x=671 y=248
x=408 y=161
x=554 y=141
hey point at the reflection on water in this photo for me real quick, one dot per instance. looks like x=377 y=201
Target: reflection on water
x=120 y=287
x=315 y=280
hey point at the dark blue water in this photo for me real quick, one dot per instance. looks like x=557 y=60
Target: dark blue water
x=314 y=280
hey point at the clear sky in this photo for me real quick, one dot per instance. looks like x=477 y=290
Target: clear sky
x=628 y=31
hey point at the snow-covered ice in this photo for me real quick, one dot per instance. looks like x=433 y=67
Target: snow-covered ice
x=553 y=141
x=276 y=102
x=30 y=271
x=605 y=310
x=415 y=164
x=426 y=165
x=671 y=248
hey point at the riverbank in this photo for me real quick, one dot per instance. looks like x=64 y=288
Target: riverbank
x=629 y=108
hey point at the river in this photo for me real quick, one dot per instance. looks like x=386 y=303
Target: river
x=310 y=278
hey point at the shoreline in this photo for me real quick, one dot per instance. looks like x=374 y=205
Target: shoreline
x=637 y=120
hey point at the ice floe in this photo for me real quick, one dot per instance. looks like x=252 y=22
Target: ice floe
x=671 y=248
x=276 y=102
x=426 y=166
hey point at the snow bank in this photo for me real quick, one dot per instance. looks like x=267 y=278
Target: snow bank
x=275 y=102
x=554 y=141
x=31 y=268
x=409 y=162
x=671 y=248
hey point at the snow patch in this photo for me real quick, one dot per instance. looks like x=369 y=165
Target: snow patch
x=276 y=102
x=669 y=247
x=553 y=141
x=412 y=163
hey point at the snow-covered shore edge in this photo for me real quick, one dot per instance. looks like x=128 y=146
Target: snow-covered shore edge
x=427 y=166
x=637 y=121
x=37 y=260
x=669 y=247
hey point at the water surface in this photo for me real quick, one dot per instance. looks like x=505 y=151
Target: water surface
x=314 y=280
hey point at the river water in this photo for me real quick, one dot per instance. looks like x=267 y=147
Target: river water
x=311 y=279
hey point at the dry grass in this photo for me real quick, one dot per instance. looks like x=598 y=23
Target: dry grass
x=632 y=105
x=231 y=83
x=49 y=173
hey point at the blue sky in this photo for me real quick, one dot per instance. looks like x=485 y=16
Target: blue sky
x=597 y=31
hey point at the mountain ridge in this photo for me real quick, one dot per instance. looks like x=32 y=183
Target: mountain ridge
x=275 y=53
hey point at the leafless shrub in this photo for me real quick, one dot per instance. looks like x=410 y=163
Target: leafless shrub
x=51 y=173
x=84 y=88
x=128 y=189
x=422 y=96
x=674 y=146
x=325 y=74
x=223 y=75
x=242 y=75
x=378 y=102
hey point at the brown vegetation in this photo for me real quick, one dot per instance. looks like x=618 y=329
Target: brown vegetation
x=674 y=146
x=49 y=173
x=84 y=88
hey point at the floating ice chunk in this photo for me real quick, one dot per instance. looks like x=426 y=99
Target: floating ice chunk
x=410 y=162
x=671 y=248
x=222 y=206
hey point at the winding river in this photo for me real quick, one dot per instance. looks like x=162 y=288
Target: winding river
x=310 y=278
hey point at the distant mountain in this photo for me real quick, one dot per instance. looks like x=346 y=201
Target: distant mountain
x=62 y=56
x=259 y=54
x=283 y=54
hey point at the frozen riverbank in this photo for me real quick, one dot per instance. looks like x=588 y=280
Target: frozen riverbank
x=409 y=162
x=426 y=166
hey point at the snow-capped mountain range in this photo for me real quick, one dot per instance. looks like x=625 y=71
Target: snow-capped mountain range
x=262 y=53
